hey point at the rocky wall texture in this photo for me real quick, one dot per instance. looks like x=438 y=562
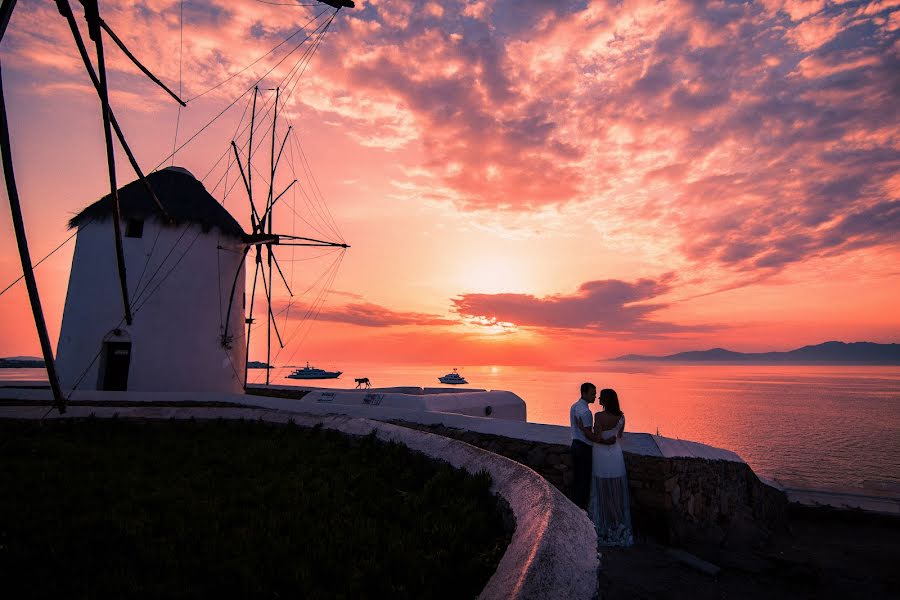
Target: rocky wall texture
x=697 y=501
x=680 y=500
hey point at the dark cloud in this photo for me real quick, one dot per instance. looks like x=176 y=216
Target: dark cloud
x=364 y=314
x=607 y=306
x=878 y=224
x=523 y=17
x=657 y=80
x=685 y=101
x=202 y=14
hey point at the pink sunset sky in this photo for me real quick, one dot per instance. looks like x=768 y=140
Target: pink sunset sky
x=521 y=182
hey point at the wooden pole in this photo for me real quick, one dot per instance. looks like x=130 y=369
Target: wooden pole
x=272 y=314
x=66 y=11
x=250 y=318
x=19 y=226
x=248 y=182
x=225 y=336
x=278 y=197
x=101 y=23
x=280 y=152
x=5 y=14
x=272 y=156
x=271 y=287
x=306 y=239
x=283 y=278
x=144 y=69
x=254 y=218
x=250 y=154
x=92 y=14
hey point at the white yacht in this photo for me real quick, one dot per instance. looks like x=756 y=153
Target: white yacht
x=309 y=372
x=453 y=378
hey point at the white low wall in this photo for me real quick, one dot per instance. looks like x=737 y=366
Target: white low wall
x=552 y=553
x=400 y=389
x=495 y=404
x=392 y=410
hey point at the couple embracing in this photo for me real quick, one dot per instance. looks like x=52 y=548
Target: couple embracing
x=601 y=485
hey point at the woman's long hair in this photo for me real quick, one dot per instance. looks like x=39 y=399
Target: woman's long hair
x=609 y=399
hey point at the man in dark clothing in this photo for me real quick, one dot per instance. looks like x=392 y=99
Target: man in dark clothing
x=581 y=420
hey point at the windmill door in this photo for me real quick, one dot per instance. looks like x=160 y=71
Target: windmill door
x=114 y=368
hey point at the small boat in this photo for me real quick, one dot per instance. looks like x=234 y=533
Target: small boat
x=309 y=372
x=453 y=378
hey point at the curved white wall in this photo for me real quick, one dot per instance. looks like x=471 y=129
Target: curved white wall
x=175 y=336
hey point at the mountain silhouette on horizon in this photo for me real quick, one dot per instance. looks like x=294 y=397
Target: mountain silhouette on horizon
x=835 y=353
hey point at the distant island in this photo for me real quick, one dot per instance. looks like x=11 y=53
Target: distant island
x=833 y=353
x=258 y=364
x=21 y=362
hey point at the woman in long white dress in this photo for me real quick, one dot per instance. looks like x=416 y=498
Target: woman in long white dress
x=609 y=503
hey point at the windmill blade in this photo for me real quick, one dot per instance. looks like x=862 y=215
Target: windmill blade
x=250 y=152
x=290 y=185
x=312 y=242
x=272 y=163
x=268 y=212
x=270 y=319
x=137 y=63
x=280 y=272
x=66 y=11
x=226 y=341
x=271 y=314
x=254 y=217
x=262 y=220
x=267 y=215
x=250 y=318
x=319 y=244
x=281 y=151
x=270 y=217
x=92 y=16
x=314 y=308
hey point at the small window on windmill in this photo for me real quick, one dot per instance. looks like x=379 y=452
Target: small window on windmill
x=134 y=228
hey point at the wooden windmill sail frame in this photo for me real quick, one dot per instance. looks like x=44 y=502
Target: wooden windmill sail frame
x=263 y=236
x=95 y=27
x=95 y=24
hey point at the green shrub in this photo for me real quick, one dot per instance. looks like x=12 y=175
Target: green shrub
x=196 y=509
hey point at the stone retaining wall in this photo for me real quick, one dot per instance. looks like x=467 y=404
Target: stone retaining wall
x=679 y=500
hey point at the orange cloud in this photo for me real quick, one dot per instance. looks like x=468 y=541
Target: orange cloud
x=610 y=307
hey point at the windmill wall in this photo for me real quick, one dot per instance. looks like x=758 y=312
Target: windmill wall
x=179 y=307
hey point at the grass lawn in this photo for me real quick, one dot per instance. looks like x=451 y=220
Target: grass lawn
x=103 y=508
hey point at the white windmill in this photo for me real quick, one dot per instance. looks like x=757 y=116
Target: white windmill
x=172 y=346
x=173 y=343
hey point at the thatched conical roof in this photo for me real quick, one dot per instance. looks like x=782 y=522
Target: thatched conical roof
x=184 y=198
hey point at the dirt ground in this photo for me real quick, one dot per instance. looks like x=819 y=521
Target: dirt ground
x=827 y=553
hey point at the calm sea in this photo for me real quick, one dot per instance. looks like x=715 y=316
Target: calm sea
x=809 y=426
